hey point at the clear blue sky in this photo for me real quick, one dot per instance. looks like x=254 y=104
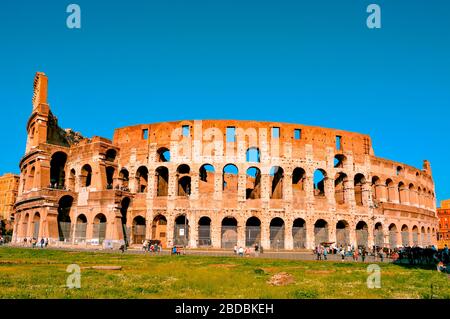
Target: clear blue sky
x=310 y=62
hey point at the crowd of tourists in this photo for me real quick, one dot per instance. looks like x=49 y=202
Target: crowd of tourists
x=35 y=243
x=322 y=252
x=151 y=246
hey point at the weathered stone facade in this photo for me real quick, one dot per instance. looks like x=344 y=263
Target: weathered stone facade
x=443 y=213
x=9 y=184
x=217 y=183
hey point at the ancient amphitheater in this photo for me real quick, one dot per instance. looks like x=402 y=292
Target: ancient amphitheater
x=216 y=183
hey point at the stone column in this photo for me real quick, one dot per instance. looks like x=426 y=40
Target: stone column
x=170 y=229
x=194 y=185
x=329 y=191
x=216 y=231
x=241 y=233
x=265 y=187
x=366 y=198
x=309 y=234
x=370 y=235
x=241 y=193
x=218 y=186
x=265 y=234
x=193 y=231
x=287 y=187
x=288 y=239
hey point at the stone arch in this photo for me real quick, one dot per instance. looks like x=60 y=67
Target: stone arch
x=181 y=230
x=403 y=197
x=362 y=234
x=206 y=179
x=86 y=176
x=99 y=228
x=277 y=229
x=412 y=195
x=298 y=181
x=391 y=191
x=124 y=205
x=415 y=235
x=72 y=180
x=376 y=188
x=320 y=232
x=277 y=180
x=405 y=235
x=393 y=234
x=124 y=178
x=110 y=177
x=339 y=160
x=230 y=178
x=253 y=231
x=36 y=225
x=299 y=233
x=162 y=181
x=163 y=154
x=142 y=179
x=57 y=170
x=359 y=181
x=110 y=155
x=25 y=222
x=80 y=228
x=138 y=230
x=183 y=180
x=340 y=184
x=378 y=235
x=64 y=221
x=204 y=231
x=159 y=230
x=229 y=232
x=253 y=183
x=319 y=182
x=342 y=233
x=422 y=236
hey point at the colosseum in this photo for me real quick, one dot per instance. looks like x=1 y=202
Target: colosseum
x=216 y=184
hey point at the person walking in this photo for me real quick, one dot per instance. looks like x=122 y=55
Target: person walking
x=325 y=253
x=241 y=251
x=42 y=242
x=342 y=254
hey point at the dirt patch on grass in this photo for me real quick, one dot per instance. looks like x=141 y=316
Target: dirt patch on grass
x=281 y=279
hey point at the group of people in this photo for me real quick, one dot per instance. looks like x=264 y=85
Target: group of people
x=33 y=242
x=322 y=252
x=151 y=246
x=241 y=251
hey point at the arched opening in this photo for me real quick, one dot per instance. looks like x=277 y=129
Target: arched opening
x=378 y=235
x=320 y=232
x=163 y=154
x=402 y=196
x=299 y=233
x=428 y=236
x=229 y=232
x=159 y=230
x=138 y=231
x=162 y=181
x=25 y=222
x=64 y=222
x=422 y=237
x=319 y=182
x=399 y=170
x=109 y=177
x=57 y=170
x=391 y=190
x=142 y=179
x=339 y=160
x=412 y=195
x=415 y=235
x=405 y=236
x=252 y=155
x=110 y=155
x=359 y=181
x=36 y=225
x=204 y=232
x=181 y=231
x=252 y=232
x=230 y=179
x=276 y=177
x=184 y=180
x=80 y=228
x=393 y=236
x=342 y=233
x=376 y=188
x=124 y=204
x=72 y=179
x=99 y=228
x=340 y=183
x=277 y=233
x=253 y=183
x=362 y=234
x=206 y=183
x=86 y=176
x=124 y=178
x=298 y=183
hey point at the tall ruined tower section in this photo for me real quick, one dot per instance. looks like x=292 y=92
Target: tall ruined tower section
x=38 y=121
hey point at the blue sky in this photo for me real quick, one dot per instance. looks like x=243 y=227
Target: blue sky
x=309 y=62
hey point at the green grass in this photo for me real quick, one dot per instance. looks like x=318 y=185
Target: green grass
x=27 y=273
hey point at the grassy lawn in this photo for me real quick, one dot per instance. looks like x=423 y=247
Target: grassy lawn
x=26 y=273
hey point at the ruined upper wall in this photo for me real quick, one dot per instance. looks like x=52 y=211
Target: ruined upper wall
x=255 y=134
